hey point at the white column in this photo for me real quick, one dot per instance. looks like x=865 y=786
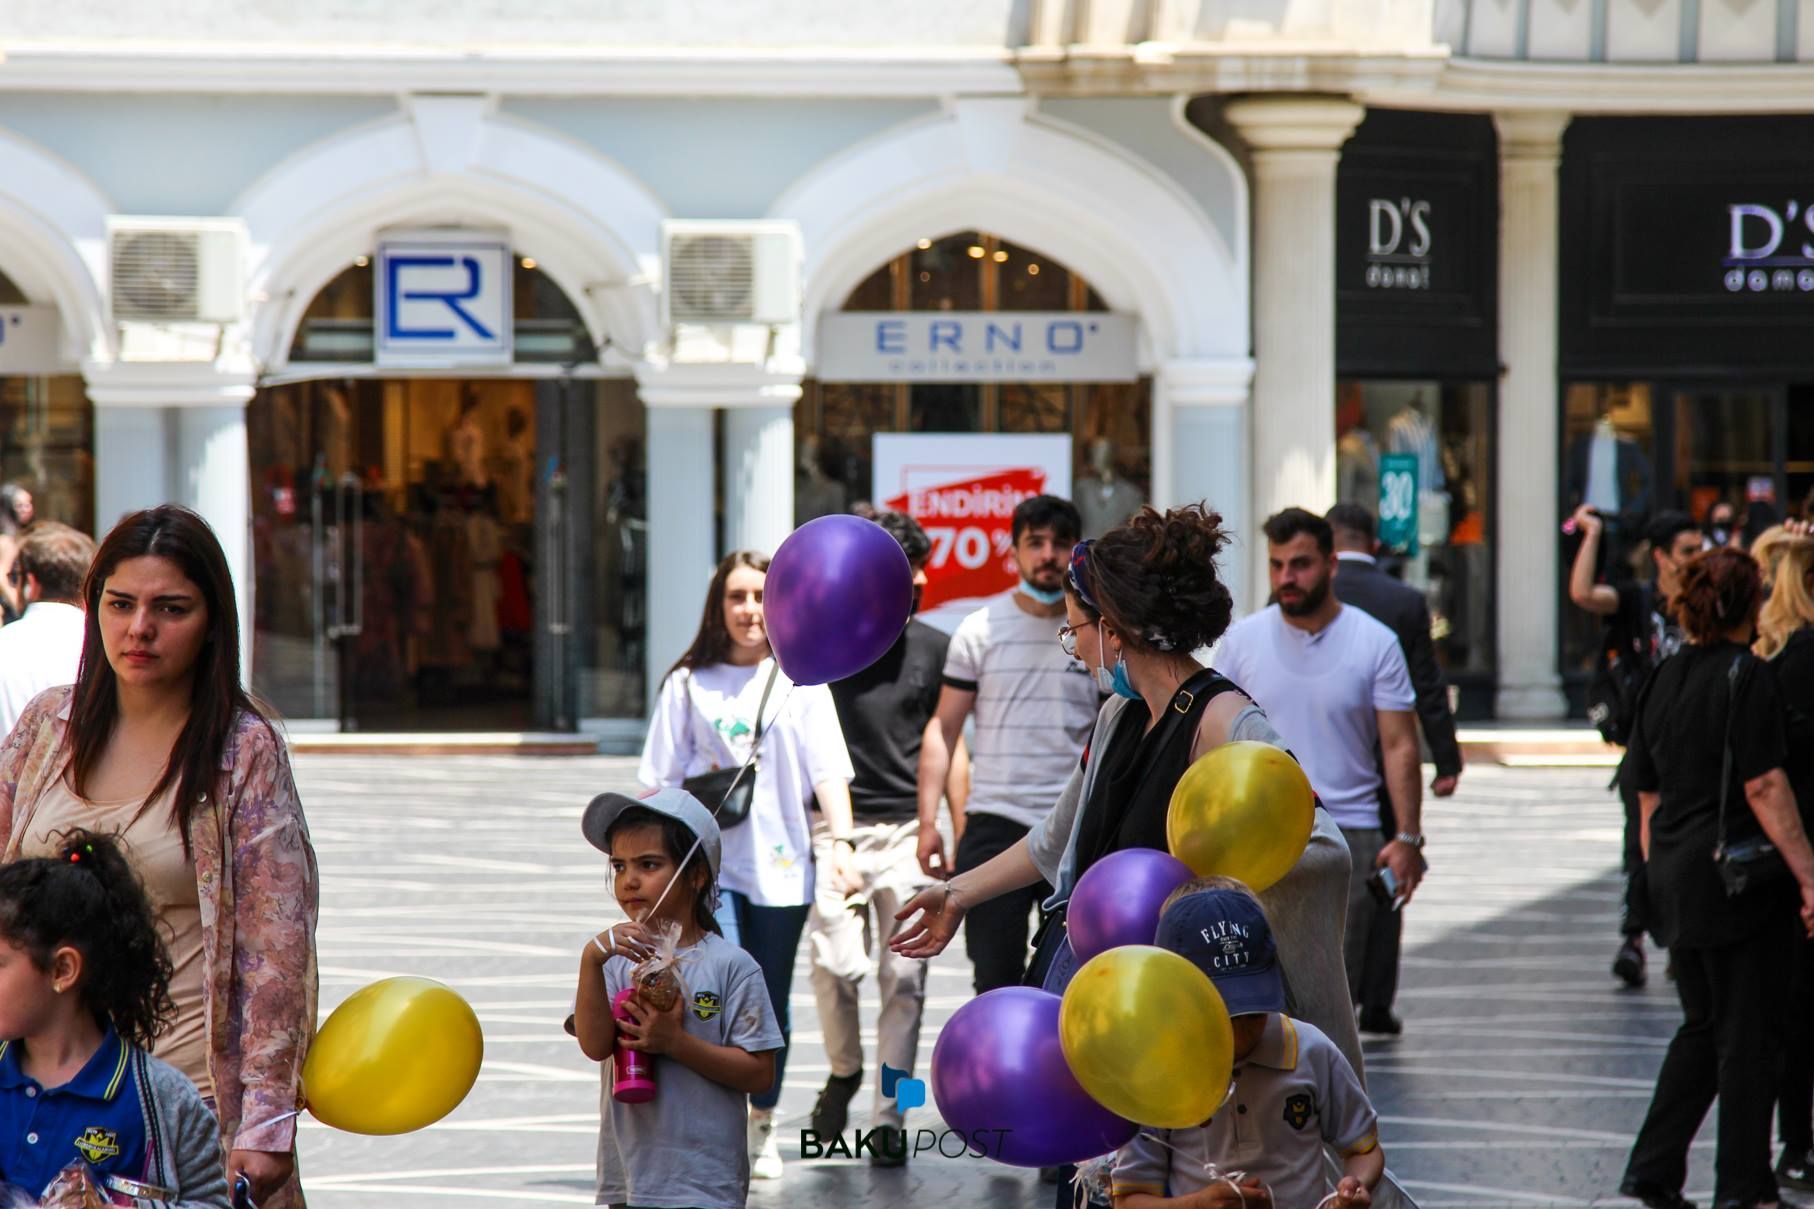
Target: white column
x=1296 y=142
x=758 y=477
x=682 y=549
x=682 y=470
x=1200 y=439
x=215 y=479
x=132 y=462
x=1529 y=584
x=193 y=416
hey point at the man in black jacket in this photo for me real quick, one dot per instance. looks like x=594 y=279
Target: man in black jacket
x=1360 y=582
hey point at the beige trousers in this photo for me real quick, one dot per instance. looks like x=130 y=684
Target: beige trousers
x=850 y=935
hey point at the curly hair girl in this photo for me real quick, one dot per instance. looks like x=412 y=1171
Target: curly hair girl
x=88 y=899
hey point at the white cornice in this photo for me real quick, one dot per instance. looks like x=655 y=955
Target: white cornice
x=551 y=71
x=1486 y=85
x=1417 y=77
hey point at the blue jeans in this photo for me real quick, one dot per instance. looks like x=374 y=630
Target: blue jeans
x=772 y=936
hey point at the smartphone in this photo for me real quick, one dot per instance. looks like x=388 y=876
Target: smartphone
x=1383 y=885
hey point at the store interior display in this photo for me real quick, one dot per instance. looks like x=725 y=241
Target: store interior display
x=1446 y=427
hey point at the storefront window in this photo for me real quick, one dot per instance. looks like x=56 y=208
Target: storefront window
x=1446 y=427
x=1632 y=449
x=1110 y=422
x=47 y=445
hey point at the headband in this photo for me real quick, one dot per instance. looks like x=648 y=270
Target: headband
x=1080 y=562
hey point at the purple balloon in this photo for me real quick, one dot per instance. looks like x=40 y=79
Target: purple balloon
x=838 y=595
x=1117 y=900
x=998 y=1065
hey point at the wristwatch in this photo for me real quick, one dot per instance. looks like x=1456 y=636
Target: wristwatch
x=1413 y=838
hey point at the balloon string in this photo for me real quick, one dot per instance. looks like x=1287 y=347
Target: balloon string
x=1092 y=1180
x=277 y=1120
x=755 y=750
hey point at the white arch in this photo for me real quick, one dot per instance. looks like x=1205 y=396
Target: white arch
x=999 y=165
x=53 y=228
x=594 y=229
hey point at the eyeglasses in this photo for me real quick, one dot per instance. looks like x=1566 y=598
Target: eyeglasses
x=1067 y=637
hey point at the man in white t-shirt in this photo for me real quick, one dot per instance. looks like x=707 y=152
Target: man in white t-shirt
x=43 y=649
x=1034 y=708
x=1334 y=684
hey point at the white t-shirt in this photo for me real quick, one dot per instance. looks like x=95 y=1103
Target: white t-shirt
x=1034 y=709
x=1322 y=692
x=706 y=719
x=43 y=649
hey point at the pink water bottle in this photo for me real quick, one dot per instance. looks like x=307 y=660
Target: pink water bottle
x=633 y=1072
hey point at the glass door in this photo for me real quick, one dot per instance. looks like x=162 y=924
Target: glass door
x=397 y=551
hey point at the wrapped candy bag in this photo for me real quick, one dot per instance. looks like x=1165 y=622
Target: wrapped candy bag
x=76 y=1187
x=657 y=979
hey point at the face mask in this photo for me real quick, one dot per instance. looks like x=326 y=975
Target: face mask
x=1044 y=597
x=1112 y=680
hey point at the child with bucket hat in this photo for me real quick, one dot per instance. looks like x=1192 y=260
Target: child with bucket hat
x=1292 y=1093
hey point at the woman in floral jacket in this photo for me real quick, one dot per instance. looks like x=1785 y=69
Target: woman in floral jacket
x=158 y=742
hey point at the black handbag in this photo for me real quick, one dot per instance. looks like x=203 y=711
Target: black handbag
x=1742 y=864
x=729 y=792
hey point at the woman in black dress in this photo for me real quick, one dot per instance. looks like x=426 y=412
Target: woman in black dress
x=1711 y=740
x=1785 y=637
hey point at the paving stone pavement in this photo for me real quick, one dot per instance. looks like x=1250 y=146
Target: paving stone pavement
x=1520 y=1080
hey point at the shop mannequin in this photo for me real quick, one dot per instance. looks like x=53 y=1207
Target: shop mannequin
x=816 y=493
x=1104 y=499
x=1356 y=453
x=464 y=442
x=1608 y=470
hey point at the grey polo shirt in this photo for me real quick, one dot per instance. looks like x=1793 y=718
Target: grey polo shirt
x=1294 y=1093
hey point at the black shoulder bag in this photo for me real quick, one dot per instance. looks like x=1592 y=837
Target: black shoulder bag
x=1742 y=864
x=728 y=792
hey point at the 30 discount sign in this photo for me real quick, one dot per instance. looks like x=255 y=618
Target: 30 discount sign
x=963 y=490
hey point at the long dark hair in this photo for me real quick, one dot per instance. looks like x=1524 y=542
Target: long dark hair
x=216 y=701
x=712 y=644
x=676 y=840
x=88 y=898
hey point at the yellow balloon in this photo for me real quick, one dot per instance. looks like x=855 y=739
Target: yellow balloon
x=1146 y=1034
x=1244 y=811
x=397 y=1056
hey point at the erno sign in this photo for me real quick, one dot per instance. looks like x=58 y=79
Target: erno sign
x=977 y=346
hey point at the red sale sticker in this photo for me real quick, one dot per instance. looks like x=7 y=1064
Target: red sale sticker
x=970 y=523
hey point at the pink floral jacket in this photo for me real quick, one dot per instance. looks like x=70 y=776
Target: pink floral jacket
x=255 y=870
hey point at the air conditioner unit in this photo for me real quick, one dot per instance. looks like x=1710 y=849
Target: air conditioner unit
x=177 y=270
x=730 y=272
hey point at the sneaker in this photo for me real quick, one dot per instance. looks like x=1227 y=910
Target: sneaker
x=1628 y=966
x=1380 y=1021
x=1796 y=1169
x=831 y=1112
x=765 y=1152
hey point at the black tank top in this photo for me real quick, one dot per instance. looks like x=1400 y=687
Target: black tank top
x=1133 y=787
